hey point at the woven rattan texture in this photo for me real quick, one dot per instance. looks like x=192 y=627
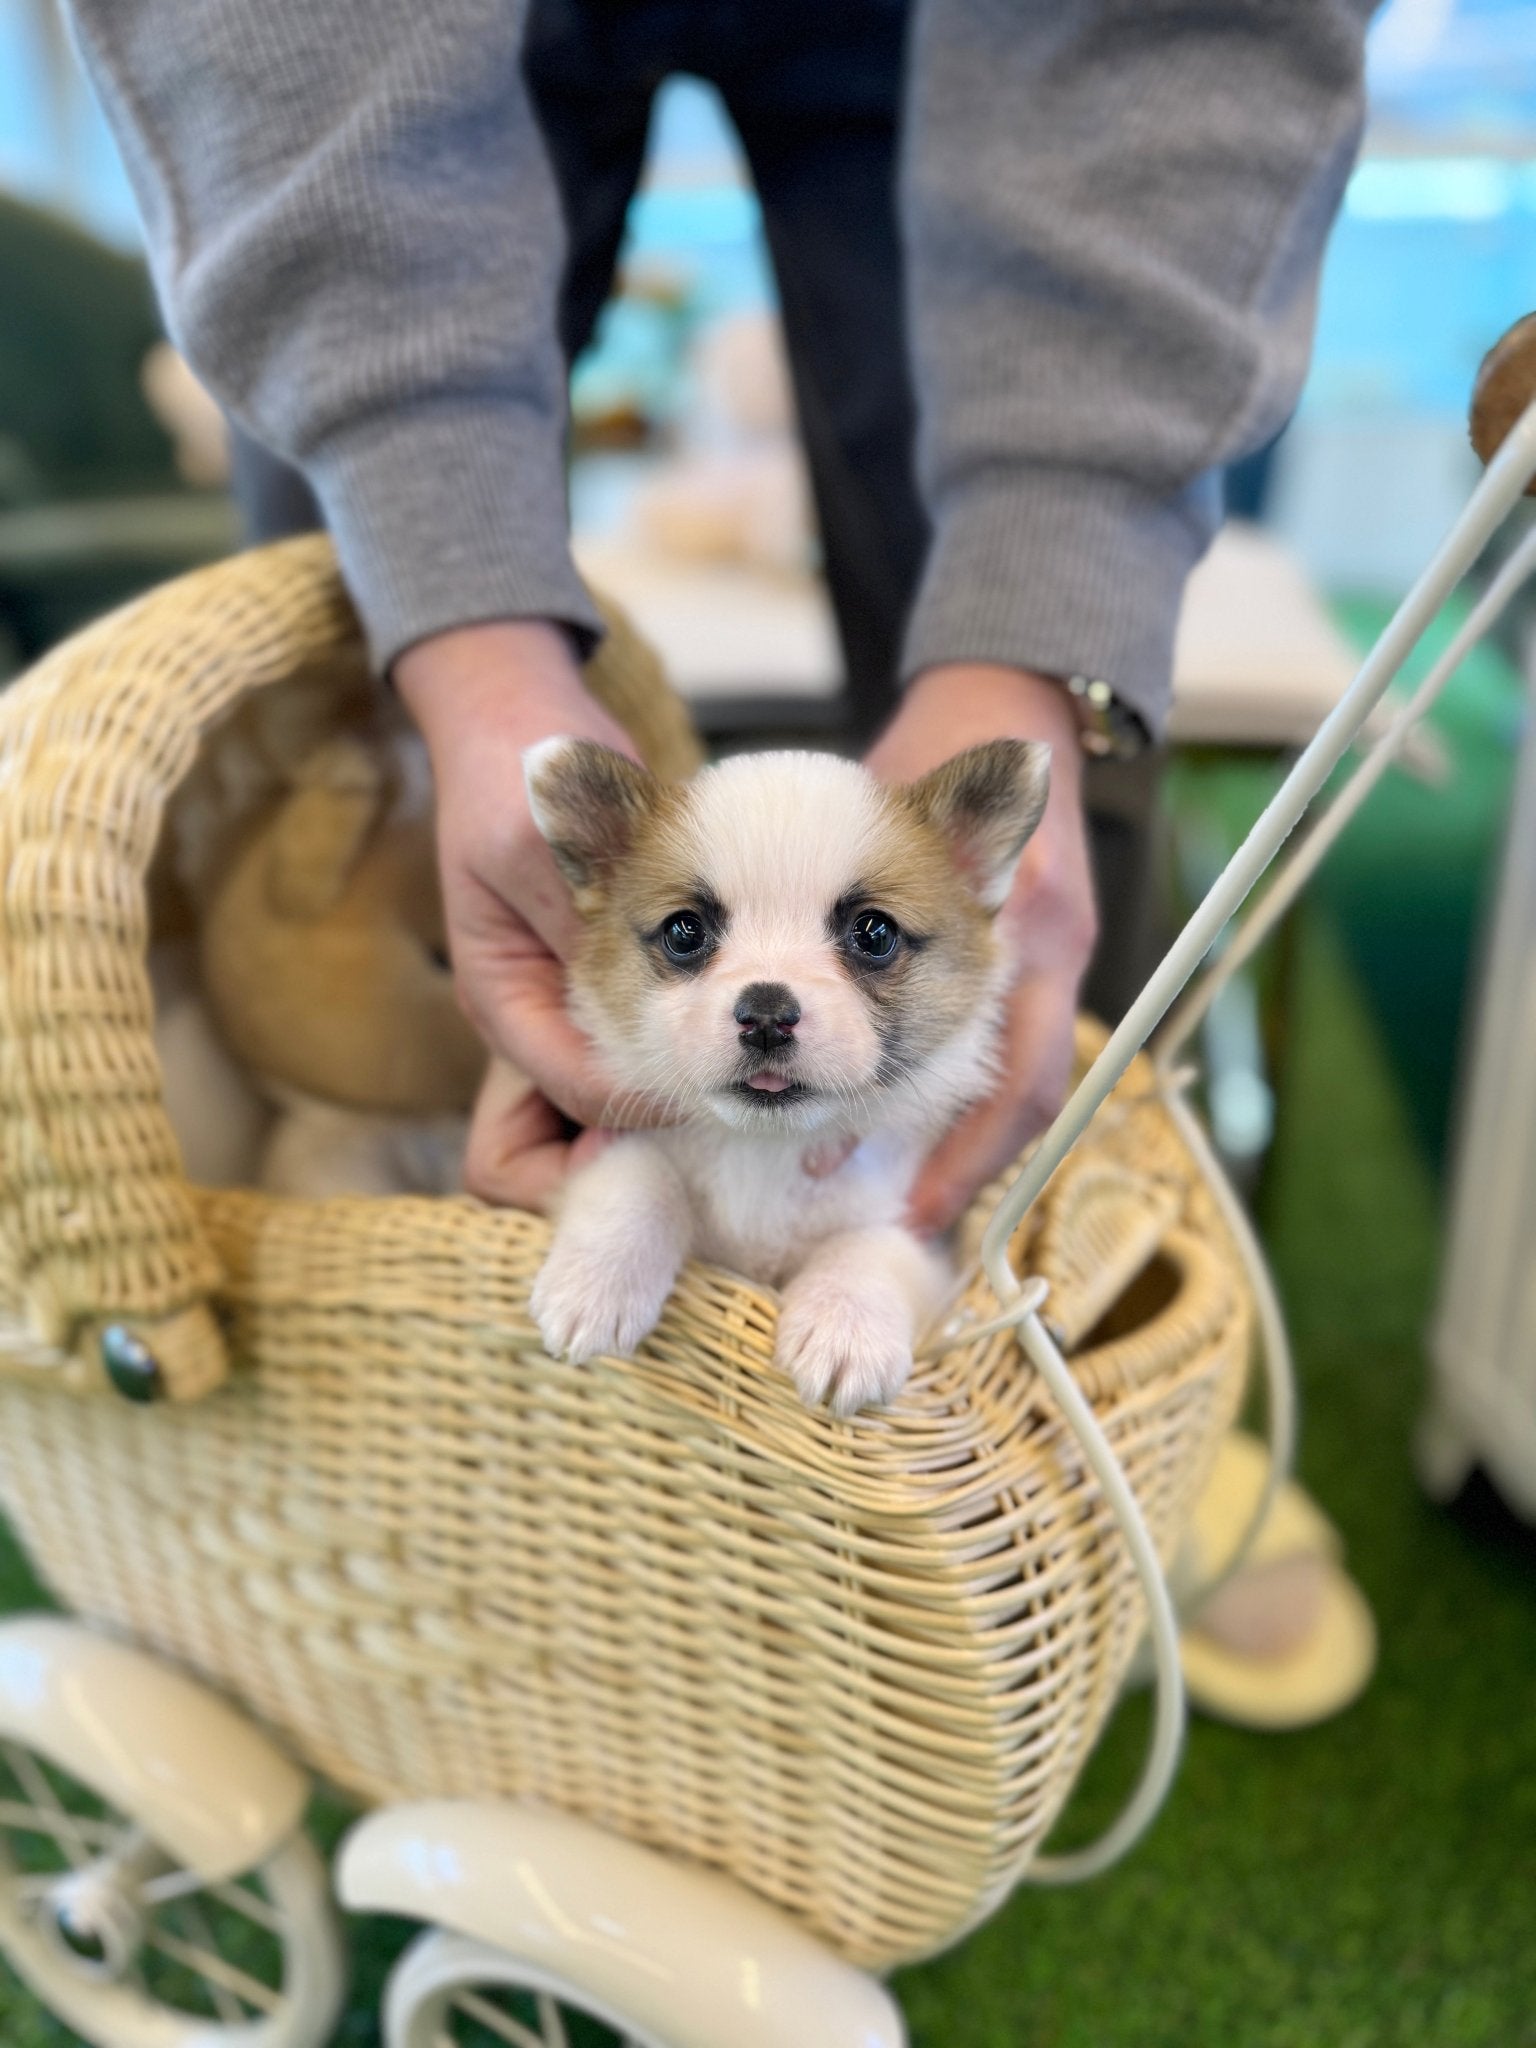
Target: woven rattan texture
x=96 y=1220
x=857 y=1664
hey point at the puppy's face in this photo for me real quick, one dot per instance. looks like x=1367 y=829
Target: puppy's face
x=784 y=943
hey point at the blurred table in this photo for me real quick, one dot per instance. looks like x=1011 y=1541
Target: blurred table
x=1258 y=661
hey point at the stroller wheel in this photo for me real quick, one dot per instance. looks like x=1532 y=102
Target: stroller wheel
x=546 y=1930
x=449 y=1991
x=131 y=1950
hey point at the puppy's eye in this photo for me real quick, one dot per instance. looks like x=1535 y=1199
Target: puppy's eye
x=683 y=936
x=438 y=955
x=874 y=936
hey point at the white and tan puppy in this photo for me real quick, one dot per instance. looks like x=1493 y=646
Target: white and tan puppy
x=788 y=956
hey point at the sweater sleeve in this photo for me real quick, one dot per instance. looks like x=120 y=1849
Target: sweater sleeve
x=1116 y=212
x=357 y=242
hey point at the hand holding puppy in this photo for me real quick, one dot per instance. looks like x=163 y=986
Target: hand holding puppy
x=481 y=695
x=1049 y=923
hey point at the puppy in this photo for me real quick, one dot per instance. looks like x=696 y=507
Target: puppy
x=801 y=965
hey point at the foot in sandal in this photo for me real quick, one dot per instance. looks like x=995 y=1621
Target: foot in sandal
x=1289 y=1639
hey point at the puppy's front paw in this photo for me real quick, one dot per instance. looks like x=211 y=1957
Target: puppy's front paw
x=586 y=1303
x=845 y=1347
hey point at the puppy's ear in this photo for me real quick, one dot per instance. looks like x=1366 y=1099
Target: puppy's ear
x=986 y=802
x=590 y=803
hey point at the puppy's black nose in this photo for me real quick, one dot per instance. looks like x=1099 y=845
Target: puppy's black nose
x=767 y=1013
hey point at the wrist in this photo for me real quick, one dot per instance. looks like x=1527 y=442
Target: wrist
x=962 y=704
x=1020 y=695
x=436 y=675
x=514 y=676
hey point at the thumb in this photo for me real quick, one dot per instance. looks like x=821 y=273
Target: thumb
x=518 y=1003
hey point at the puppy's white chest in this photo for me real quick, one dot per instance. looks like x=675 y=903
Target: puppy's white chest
x=758 y=1211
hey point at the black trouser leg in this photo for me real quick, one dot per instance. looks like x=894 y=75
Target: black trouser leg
x=816 y=94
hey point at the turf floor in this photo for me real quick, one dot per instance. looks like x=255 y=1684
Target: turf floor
x=1371 y=1884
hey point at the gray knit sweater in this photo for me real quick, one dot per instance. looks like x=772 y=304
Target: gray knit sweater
x=1115 y=212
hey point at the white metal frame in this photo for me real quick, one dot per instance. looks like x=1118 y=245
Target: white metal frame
x=182 y=1799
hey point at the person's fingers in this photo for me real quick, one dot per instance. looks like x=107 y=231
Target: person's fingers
x=512 y=988
x=1037 y=1054
x=516 y=1000
x=510 y=1120
x=524 y=1016
x=544 y=902
x=520 y=1152
x=529 y=1180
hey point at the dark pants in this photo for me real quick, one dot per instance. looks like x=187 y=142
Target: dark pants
x=815 y=92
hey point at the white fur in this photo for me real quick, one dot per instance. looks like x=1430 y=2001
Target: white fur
x=779 y=839
x=615 y=1255
x=852 y=1314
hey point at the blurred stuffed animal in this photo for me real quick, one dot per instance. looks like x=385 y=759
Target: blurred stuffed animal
x=306 y=874
x=325 y=966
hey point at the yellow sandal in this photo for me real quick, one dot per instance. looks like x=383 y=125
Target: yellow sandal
x=1289 y=1639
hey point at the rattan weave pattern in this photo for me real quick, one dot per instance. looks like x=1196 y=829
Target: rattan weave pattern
x=95 y=1215
x=857 y=1664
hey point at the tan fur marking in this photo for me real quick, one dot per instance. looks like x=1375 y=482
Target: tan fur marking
x=939 y=981
x=658 y=874
x=987 y=802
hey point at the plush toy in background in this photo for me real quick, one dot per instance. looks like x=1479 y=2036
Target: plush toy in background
x=190 y=414
x=218 y=1114
x=325 y=966
x=306 y=1016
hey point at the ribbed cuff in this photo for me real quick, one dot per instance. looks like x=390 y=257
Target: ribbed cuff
x=450 y=514
x=1065 y=573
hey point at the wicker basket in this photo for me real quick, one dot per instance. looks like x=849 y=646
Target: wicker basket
x=857 y=1664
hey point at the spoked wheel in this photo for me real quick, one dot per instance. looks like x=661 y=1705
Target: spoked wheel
x=451 y=1992
x=131 y=1951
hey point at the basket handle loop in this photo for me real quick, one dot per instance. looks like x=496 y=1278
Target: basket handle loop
x=105 y=1273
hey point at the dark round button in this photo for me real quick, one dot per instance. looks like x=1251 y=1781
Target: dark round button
x=131 y=1366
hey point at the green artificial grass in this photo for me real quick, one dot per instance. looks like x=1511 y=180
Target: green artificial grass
x=1369 y=1884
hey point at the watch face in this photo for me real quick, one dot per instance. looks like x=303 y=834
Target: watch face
x=1110 y=730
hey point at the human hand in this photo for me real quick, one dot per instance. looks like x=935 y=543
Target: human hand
x=1048 y=925
x=480 y=695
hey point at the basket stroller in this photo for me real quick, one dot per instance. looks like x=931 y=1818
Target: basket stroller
x=673 y=1704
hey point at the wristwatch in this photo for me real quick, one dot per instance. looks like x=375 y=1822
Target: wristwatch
x=1110 y=729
